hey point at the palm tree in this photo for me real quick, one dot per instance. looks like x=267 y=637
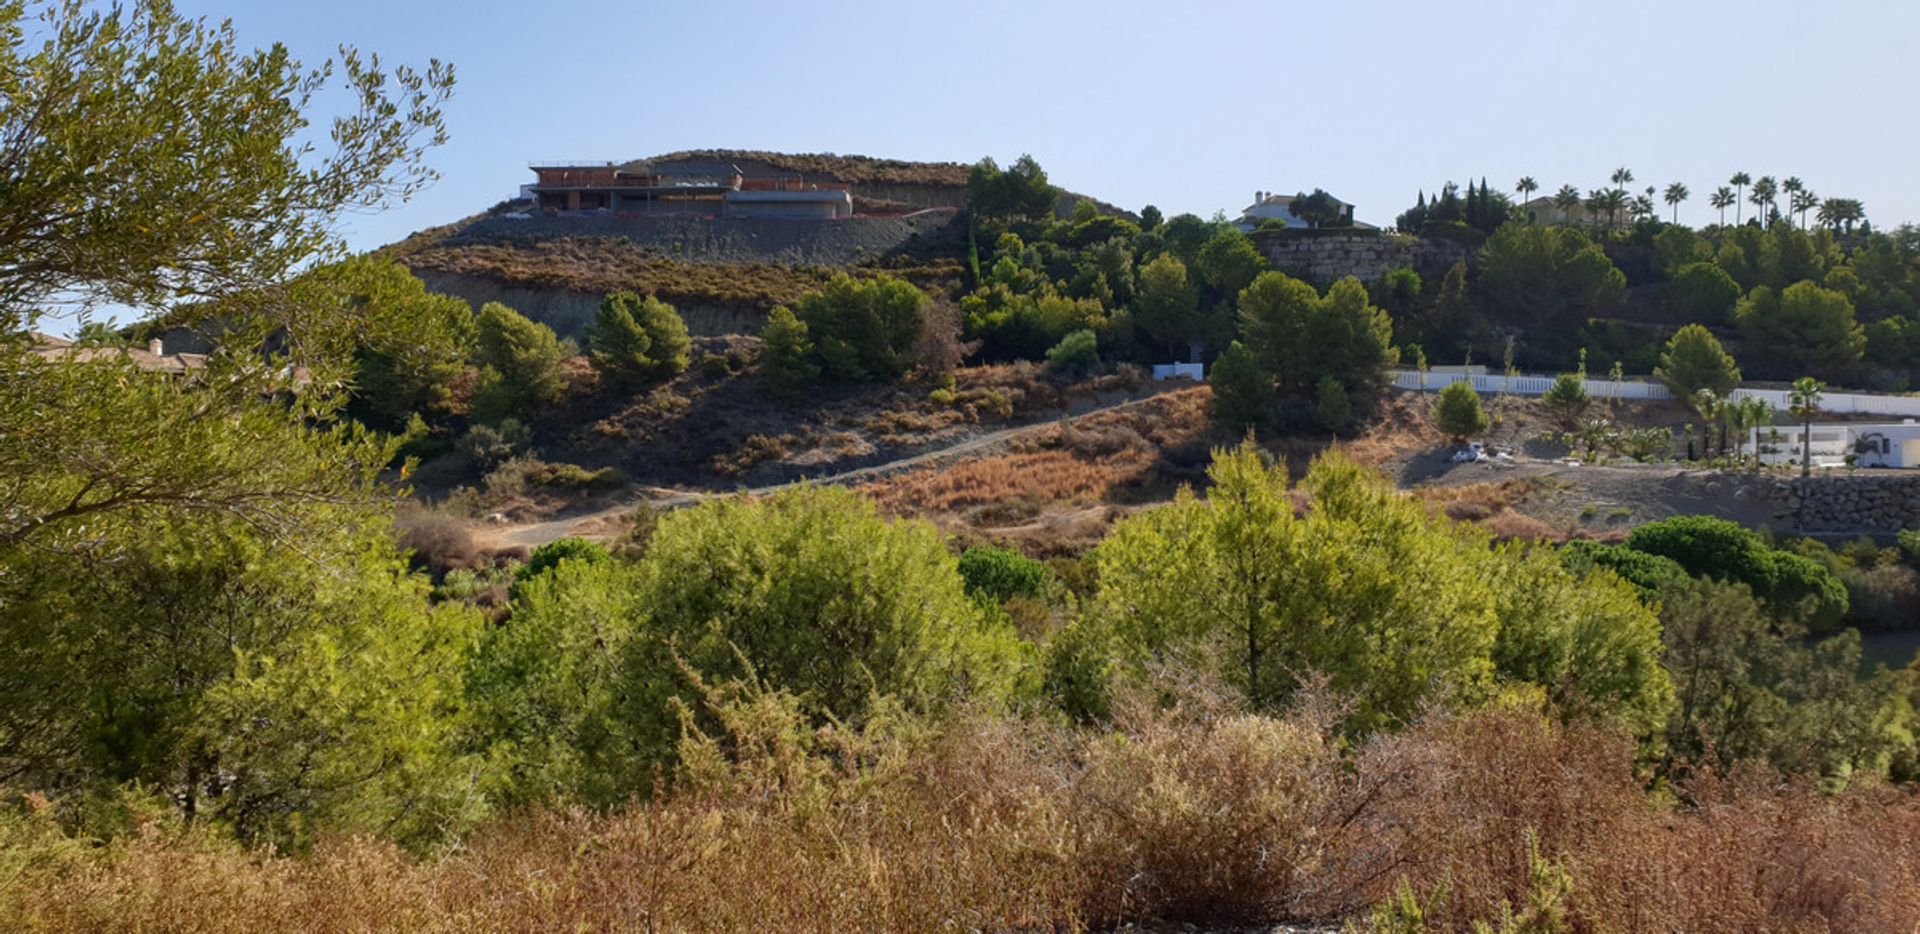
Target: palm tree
x=1791 y=187
x=1566 y=199
x=1622 y=177
x=1723 y=198
x=1641 y=207
x=1614 y=200
x=1762 y=197
x=1676 y=193
x=1803 y=201
x=1803 y=400
x=1739 y=180
x=1595 y=206
x=1526 y=187
x=1839 y=214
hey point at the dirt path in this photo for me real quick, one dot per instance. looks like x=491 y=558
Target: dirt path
x=601 y=524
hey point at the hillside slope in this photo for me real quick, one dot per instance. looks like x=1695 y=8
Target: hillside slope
x=723 y=274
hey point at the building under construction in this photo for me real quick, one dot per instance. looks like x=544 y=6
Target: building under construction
x=697 y=189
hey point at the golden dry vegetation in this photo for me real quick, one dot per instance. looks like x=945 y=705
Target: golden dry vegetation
x=1193 y=810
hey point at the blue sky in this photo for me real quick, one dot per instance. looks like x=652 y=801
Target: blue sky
x=1188 y=106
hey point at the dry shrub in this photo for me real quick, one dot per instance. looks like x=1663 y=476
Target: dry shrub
x=439 y=542
x=1886 y=596
x=1187 y=807
x=1043 y=477
x=1510 y=526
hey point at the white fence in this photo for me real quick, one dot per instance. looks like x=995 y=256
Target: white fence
x=1192 y=371
x=1836 y=403
x=1528 y=385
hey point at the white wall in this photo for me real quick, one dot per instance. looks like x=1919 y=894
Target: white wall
x=1838 y=403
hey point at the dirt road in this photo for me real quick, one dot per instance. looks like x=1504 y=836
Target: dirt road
x=601 y=524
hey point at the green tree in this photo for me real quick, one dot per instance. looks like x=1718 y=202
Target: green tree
x=864 y=330
x=1150 y=217
x=1332 y=409
x=1457 y=412
x=787 y=354
x=1694 y=360
x=808 y=590
x=1318 y=209
x=1167 y=307
x=1739 y=181
x=633 y=340
x=1242 y=392
x=1299 y=336
x=1078 y=352
x=1549 y=279
x=1566 y=401
x=520 y=360
x=1238 y=578
x=1793 y=587
x=1702 y=292
x=408 y=345
x=1803 y=328
x=1228 y=262
x=230 y=200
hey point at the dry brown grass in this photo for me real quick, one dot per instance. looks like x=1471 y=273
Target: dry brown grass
x=1195 y=812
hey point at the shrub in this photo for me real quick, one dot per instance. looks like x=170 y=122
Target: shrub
x=1078 y=352
x=520 y=360
x=488 y=446
x=1721 y=550
x=634 y=340
x=1566 y=401
x=1332 y=409
x=575 y=477
x=1694 y=360
x=787 y=357
x=864 y=330
x=715 y=366
x=437 y=541
x=1702 y=292
x=1242 y=392
x=1000 y=575
x=1457 y=412
x=550 y=555
x=811 y=590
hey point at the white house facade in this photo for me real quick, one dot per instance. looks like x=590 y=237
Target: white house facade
x=1895 y=444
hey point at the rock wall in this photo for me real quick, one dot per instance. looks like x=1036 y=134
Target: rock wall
x=728 y=240
x=1322 y=258
x=568 y=313
x=1836 y=502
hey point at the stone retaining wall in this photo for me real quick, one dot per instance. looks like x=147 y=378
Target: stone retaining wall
x=1322 y=258
x=1865 y=501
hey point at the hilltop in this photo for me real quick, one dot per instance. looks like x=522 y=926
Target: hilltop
x=723 y=273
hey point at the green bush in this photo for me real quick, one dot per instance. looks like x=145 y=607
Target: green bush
x=488 y=446
x=715 y=366
x=548 y=556
x=520 y=362
x=864 y=330
x=1457 y=412
x=1332 y=409
x=634 y=340
x=1242 y=392
x=787 y=355
x=1721 y=550
x=1078 y=352
x=1000 y=575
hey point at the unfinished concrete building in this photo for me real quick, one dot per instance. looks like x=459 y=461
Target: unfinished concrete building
x=702 y=189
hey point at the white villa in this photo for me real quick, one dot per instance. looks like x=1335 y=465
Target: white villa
x=1887 y=444
x=1272 y=206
